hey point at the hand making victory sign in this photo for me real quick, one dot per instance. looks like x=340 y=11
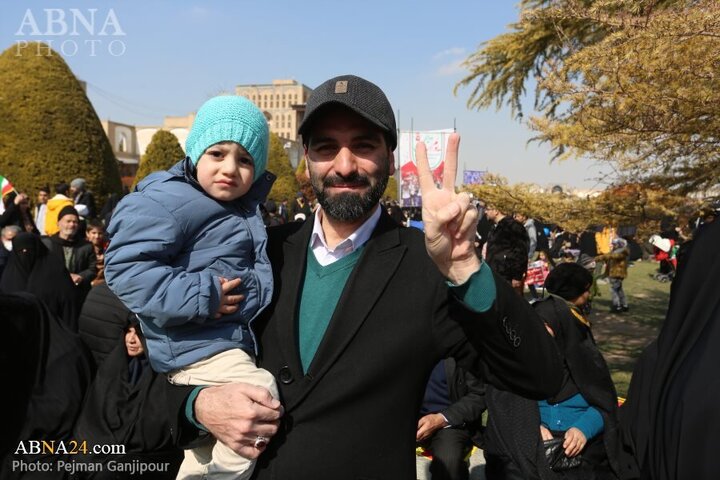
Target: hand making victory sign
x=449 y=218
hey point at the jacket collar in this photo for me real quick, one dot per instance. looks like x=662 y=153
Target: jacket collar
x=257 y=194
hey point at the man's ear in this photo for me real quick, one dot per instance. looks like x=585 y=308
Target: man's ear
x=391 y=159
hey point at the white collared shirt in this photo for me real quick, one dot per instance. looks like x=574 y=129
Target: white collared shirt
x=324 y=255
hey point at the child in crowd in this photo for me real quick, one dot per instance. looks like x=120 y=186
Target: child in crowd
x=538 y=271
x=617 y=265
x=187 y=256
x=95 y=234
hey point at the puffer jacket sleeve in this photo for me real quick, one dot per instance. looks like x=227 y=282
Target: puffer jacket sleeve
x=144 y=238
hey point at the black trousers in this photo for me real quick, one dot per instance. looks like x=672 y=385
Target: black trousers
x=449 y=447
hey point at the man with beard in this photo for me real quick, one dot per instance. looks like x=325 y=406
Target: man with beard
x=76 y=253
x=361 y=314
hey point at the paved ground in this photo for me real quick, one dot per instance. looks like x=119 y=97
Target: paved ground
x=477 y=467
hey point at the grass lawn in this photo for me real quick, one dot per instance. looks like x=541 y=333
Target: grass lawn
x=623 y=336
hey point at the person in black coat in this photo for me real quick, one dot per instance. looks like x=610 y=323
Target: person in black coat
x=17 y=212
x=32 y=269
x=506 y=252
x=351 y=397
x=82 y=196
x=395 y=212
x=6 y=236
x=76 y=253
x=48 y=369
x=451 y=421
x=484 y=226
x=102 y=321
x=671 y=418
x=585 y=407
x=587 y=242
x=120 y=408
x=562 y=240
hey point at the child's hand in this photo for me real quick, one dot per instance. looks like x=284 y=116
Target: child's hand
x=574 y=442
x=228 y=303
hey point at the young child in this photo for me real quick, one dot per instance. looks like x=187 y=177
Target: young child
x=95 y=234
x=185 y=247
x=617 y=265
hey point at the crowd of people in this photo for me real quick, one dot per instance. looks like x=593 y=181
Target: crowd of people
x=53 y=289
x=205 y=327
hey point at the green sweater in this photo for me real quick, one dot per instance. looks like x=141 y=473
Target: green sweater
x=321 y=291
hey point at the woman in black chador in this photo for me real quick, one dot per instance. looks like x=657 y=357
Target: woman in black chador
x=582 y=414
x=119 y=410
x=46 y=370
x=671 y=419
x=32 y=269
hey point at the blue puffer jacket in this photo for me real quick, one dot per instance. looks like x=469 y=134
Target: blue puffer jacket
x=169 y=243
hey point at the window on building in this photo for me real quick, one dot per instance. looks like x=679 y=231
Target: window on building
x=122 y=144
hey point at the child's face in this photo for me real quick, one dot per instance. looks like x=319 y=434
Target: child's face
x=95 y=236
x=225 y=171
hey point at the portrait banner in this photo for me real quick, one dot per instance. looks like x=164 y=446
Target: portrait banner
x=436 y=143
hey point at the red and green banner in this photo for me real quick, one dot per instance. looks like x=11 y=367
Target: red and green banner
x=436 y=143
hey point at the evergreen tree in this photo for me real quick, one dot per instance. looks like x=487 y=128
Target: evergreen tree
x=163 y=152
x=286 y=185
x=49 y=131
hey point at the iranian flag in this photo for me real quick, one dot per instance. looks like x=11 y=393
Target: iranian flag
x=6 y=186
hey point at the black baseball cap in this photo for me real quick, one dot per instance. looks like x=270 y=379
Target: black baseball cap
x=359 y=95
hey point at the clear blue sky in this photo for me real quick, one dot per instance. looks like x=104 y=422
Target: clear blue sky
x=175 y=55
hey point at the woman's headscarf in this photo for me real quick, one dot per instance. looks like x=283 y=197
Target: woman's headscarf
x=32 y=269
x=568 y=280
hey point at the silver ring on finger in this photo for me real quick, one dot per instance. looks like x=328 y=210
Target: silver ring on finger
x=261 y=442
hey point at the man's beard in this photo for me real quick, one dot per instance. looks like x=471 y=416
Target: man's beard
x=349 y=206
x=68 y=235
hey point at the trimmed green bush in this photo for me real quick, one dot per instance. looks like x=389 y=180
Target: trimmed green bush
x=286 y=186
x=49 y=131
x=163 y=152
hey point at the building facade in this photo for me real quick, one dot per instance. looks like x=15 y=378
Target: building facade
x=124 y=141
x=282 y=102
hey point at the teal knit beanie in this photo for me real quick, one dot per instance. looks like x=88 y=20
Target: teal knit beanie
x=230 y=118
